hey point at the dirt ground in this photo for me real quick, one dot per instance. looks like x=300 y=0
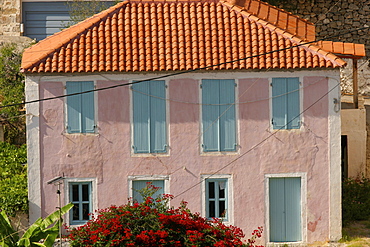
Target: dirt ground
x=357 y=234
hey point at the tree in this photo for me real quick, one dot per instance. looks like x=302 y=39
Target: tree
x=12 y=92
x=13 y=179
x=80 y=10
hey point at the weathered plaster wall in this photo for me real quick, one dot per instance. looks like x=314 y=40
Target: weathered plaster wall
x=356 y=140
x=262 y=151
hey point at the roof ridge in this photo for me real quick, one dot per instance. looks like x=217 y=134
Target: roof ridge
x=36 y=53
x=313 y=47
x=279 y=17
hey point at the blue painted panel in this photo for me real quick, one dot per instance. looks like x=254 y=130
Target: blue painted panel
x=74 y=108
x=210 y=115
x=88 y=110
x=141 y=117
x=277 y=209
x=293 y=107
x=279 y=103
x=158 y=135
x=227 y=115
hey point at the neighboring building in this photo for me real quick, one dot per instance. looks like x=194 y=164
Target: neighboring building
x=219 y=119
x=36 y=19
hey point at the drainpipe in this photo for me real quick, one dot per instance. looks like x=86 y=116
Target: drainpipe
x=355 y=83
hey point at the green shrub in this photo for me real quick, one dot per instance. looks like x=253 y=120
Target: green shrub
x=13 y=178
x=355 y=199
x=12 y=92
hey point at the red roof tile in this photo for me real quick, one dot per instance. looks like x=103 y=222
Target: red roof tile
x=182 y=35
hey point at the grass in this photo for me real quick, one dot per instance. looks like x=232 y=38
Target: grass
x=356 y=234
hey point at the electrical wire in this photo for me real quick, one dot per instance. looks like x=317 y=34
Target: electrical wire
x=179 y=72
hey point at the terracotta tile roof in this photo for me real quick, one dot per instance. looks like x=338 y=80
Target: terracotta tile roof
x=180 y=35
x=343 y=49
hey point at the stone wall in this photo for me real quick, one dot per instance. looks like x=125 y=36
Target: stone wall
x=10 y=17
x=333 y=17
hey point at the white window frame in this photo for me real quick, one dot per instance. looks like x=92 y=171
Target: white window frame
x=165 y=178
x=94 y=200
x=237 y=137
x=66 y=109
x=230 y=194
x=301 y=86
x=167 y=153
x=303 y=177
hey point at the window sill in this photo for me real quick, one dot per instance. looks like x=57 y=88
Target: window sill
x=150 y=154
x=285 y=244
x=219 y=153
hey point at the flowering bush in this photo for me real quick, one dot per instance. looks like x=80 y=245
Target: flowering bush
x=152 y=223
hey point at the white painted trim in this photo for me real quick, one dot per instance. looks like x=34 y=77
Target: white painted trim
x=230 y=200
x=303 y=177
x=33 y=148
x=167 y=153
x=165 y=178
x=301 y=94
x=222 y=74
x=335 y=175
x=94 y=195
x=237 y=123
x=65 y=132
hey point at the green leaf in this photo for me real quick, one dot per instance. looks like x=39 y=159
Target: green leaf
x=55 y=216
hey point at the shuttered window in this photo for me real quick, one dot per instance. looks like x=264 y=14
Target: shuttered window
x=285 y=103
x=218 y=115
x=285 y=209
x=138 y=185
x=149 y=117
x=217 y=198
x=80 y=196
x=80 y=108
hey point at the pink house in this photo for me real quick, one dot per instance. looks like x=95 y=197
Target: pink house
x=230 y=106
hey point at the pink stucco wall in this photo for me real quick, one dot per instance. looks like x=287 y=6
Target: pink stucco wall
x=107 y=154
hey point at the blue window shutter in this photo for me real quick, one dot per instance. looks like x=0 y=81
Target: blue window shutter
x=285 y=209
x=158 y=135
x=227 y=112
x=277 y=208
x=210 y=115
x=87 y=104
x=293 y=104
x=74 y=108
x=141 y=117
x=80 y=108
x=279 y=103
x=141 y=184
x=293 y=209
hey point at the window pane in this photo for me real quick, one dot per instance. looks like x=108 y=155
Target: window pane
x=75 y=194
x=211 y=190
x=75 y=211
x=212 y=209
x=85 y=192
x=221 y=191
x=85 y=211
x=221 y=209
